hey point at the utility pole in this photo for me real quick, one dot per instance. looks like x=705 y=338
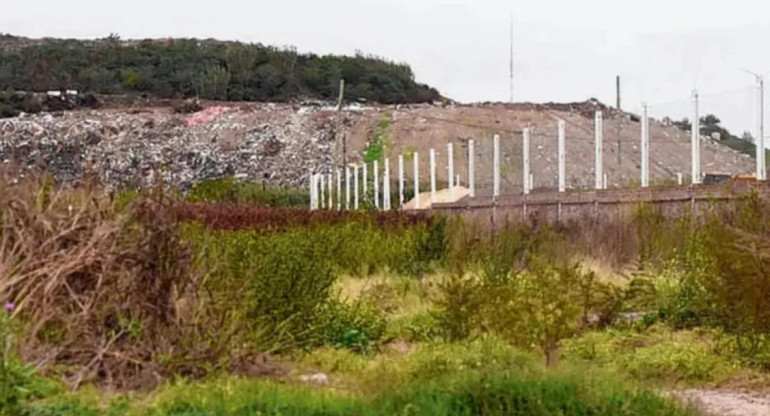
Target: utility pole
x=620 y=121
x=312 y=191
x=340 y=130
x=471 y=168
x=386 y=187
x=416 y=161
x=695 y=127
x=376 y=176
x=450 y=154
x=511 y=61
x=526 y=184
x=432 y=176
x=496 y=166
x=598 y=157
x=365 y=194
x=339 y=189
x=645 y=148
x=761 y=153
x=561 y=156
x=355 y=187
x=347 y=188
x=760 y=142
x=401 y=181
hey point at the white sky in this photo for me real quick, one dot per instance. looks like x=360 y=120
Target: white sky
x=565 y=50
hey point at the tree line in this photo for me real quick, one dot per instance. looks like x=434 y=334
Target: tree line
x=207 y=69
x=711 y=124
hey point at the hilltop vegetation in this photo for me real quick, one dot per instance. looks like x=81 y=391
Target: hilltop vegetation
x=711 y=124
x=209 y=69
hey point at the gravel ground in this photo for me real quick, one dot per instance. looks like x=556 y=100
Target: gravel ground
x=727 y=402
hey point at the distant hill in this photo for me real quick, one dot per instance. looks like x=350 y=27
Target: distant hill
x=208 y=69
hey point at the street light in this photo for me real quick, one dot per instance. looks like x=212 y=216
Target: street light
x=761 y=169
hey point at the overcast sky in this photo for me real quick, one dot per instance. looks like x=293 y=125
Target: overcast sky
x=565 y=50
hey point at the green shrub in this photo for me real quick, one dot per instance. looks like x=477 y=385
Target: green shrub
x=536 y=307
x=738 y=279
x=18 y=382
x=486 y=354
x=675 y=361
x=358 y=327
x=229 y=190
x=279 y=282
x=422 y=327
x=658 y=354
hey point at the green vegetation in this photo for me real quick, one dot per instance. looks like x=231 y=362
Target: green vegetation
x=232 y=191
x=202 y=68
x=712 y=124
x=220 y=308
x=380 y=140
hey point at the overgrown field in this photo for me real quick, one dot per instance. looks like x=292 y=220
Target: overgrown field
x=147 y=304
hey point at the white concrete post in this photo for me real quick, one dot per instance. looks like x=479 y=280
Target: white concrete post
x=386 y=186
x=376 y=177
x=355 y=187
x=400 y=180
x=365 y=195
x=645 y=147
x=321 y=193
x=531 y=182
x=339 y=189
x=761 y=154
x=496 y=166
x=457 y=180
x=598 y=158
x=604 y=181
x=312 y=192
x=471 y=169
x=695 y=139
x=416 y=160
x=347 y=188
x=525 y=179
x=561 y=156
x=679 y=179
x=450 y=156
x=330 y=181
x=432 y=176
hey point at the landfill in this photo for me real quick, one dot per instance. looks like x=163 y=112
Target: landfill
x=136 y=147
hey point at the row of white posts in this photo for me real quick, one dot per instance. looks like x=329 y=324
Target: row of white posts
x=323 y=197
x=321 y=185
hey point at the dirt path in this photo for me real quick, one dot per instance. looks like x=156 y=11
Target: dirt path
x=727 y=402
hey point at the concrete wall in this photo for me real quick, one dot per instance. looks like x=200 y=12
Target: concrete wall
x=610 y=205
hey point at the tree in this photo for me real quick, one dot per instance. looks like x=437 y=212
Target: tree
x=710 y=120
x=214 y=83
x=747 y=136
x=212 y=69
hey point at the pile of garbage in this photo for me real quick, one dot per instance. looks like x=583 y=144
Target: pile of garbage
x=274 y=144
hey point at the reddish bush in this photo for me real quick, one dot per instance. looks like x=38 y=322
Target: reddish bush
x=250 y=217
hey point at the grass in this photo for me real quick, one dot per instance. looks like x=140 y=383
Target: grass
x=660 y=356
x=504 y=392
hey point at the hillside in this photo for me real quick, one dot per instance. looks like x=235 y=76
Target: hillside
x=209 y=69
x=282 y=143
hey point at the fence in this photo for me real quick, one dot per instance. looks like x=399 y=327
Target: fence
x=551 y=157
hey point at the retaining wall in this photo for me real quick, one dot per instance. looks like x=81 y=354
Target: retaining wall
x=610 y=204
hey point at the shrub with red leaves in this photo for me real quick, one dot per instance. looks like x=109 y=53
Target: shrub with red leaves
x=263 y=219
